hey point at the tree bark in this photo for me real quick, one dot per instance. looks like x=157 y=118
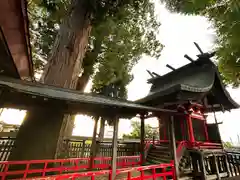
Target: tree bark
x=89 y=61
x=63 y=68
x=38 y=135
x=65 y=62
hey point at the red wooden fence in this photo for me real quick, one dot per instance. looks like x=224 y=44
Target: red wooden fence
x=43 y=168
x=145 y=172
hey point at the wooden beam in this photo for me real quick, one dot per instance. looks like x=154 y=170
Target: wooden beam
x=202 y=167
x=93 y=146
x=157 y=75
x=189 y=58
x=216 y=167
x=198 y=47
x=159 y=128
x=142 y=134
x=173 y=144
x=170 y=67
x=114 y=149
x=218 y=131
x=101 y=134
x=190 y=129
x=102 y=129
x=150 y=73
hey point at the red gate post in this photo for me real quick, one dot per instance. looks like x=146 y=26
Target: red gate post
x=190 y=128
x=114 y=148
x=142 y=140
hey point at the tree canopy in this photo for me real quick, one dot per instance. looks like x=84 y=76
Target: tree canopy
x=227 y=144
x=128 y=38
x=224 y=15
x=115 y=44
x=136 y=133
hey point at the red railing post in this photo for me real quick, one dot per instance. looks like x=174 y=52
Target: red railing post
x=142 y=174
x=129 y=175
x=5 y=171
x=163 y=171
x=154 y=173
x=44 y=169
x=26 y=171
x=110 y=175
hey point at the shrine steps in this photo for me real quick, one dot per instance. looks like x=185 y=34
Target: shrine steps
x=159 y=153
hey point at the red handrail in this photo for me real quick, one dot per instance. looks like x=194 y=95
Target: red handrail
x=163 y=167
x=63 y=165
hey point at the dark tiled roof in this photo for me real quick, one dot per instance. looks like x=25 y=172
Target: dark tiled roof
x=74 y=97
x=190 y=82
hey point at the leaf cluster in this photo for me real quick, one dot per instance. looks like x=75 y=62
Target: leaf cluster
x=130 y=34
x=122 y=32
x=136 y=133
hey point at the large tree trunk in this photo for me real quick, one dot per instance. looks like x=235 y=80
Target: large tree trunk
x=63 y=69
x=38 y=135
x=89 y=61
x=65 y=63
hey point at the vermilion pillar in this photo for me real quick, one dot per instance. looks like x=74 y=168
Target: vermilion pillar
x=190 y=128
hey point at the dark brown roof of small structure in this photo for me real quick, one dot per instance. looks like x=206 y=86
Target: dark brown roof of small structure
x=23 y=95
x=7 y=65
x=191 y=82
x=14 y=24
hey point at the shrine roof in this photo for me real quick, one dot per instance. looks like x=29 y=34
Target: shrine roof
x=191 y=82
x=7 y=65
x=24 y=95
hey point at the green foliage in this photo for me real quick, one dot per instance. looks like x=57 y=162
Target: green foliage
x=128 y=35
x=136 y=133
x=121 y=33
x=224 y=15
x=227 y=145
x=44 y=17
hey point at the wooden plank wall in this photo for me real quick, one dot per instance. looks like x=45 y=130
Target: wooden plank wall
x=78 y=147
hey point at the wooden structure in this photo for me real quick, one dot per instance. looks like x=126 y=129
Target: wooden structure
x=14 y=26
x=193 y=90
x=178 y=99
x=27 y=95
x=39 y=138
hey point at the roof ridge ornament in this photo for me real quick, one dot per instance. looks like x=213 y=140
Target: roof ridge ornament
x=202 y=54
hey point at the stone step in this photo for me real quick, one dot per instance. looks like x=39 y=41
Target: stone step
x=159 y=158
x=164 y=146
x=153 y=161
x=160 y=154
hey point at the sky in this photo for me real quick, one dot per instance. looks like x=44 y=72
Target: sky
x=177 y=33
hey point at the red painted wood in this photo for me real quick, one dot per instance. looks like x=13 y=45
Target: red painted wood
x=190 y=129
x=164 y=174
x=62 y=165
